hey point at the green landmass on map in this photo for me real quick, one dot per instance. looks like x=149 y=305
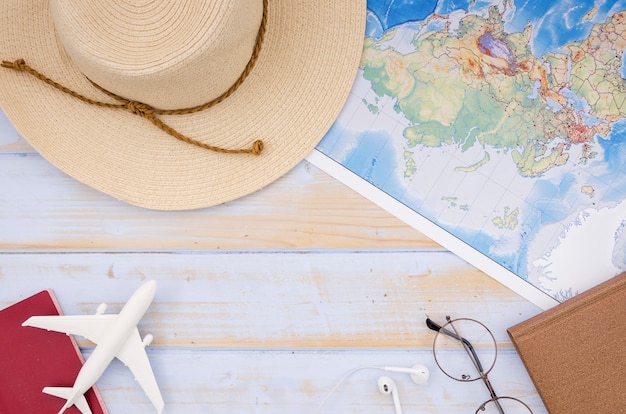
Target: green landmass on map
x=475 y=166
x=409 y=164
x=475 y=85
x=453 y=202
x=588 y=190
x=508 y=220
x=371 y=107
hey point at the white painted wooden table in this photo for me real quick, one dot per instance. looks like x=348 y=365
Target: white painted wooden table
x=263 y=303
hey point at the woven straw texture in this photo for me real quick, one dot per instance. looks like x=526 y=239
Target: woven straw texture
x=297 y=88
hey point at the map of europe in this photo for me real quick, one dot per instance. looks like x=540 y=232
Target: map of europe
x=502 y=122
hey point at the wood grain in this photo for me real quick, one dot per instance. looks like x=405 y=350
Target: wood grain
x=265 y=303
x=305 y=209
x=275 y=331
x=303 y=381
x=295 y=299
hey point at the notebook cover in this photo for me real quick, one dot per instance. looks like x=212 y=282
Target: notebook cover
x=32 y=358
x=575 y=353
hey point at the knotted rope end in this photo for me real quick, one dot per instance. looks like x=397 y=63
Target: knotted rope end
x=257 y=147
x=19 y=64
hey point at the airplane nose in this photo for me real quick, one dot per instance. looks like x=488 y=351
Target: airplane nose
x=148 y=288
x=151 y=285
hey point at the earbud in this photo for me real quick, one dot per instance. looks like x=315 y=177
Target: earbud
x=419 y=373
x=387 y=386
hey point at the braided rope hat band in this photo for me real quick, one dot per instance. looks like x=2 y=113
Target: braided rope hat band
x=161 y=59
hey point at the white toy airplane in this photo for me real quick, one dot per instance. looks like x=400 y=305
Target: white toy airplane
x=114 y=336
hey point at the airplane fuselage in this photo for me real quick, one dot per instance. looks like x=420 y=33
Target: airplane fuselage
x=114 y=339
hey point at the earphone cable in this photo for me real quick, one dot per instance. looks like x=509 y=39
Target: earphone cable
x=342 y=379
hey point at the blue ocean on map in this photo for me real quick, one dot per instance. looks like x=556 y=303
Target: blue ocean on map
x=369 y=152
x=555 y=23
x=537 y=209
x=614 y=147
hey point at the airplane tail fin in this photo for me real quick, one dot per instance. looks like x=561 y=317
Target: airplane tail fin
x=69 y=394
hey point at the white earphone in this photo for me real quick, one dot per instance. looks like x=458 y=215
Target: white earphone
x=388 y=387
x=419 y=374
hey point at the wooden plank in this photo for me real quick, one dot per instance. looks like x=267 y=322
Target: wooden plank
x=275 y=331
x=264 y=303
x=302 y=382
x=43 y=208
x=295 y=299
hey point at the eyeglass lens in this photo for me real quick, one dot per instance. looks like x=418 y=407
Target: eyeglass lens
x=502 y=405
x=465 y=350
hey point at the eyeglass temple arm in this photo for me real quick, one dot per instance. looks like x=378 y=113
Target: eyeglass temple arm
x=437 y=328
x=494 y=397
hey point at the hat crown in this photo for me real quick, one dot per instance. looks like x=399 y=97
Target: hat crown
x=167 y=54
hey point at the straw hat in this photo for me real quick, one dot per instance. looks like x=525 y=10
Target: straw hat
x=175 y=105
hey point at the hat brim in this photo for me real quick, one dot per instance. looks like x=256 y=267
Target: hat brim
x=296 y=90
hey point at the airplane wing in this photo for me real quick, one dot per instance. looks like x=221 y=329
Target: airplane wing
x=133 y=355
x=88 y=326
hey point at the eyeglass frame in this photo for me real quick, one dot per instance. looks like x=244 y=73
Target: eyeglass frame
x=469 y=349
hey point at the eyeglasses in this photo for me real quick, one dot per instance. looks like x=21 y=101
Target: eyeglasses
x=479 y=345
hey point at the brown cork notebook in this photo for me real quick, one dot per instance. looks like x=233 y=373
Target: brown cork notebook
x=575 y=353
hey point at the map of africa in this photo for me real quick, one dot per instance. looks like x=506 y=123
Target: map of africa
x=502 y=122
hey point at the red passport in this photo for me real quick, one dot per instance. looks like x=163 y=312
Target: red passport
x=32 y=358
